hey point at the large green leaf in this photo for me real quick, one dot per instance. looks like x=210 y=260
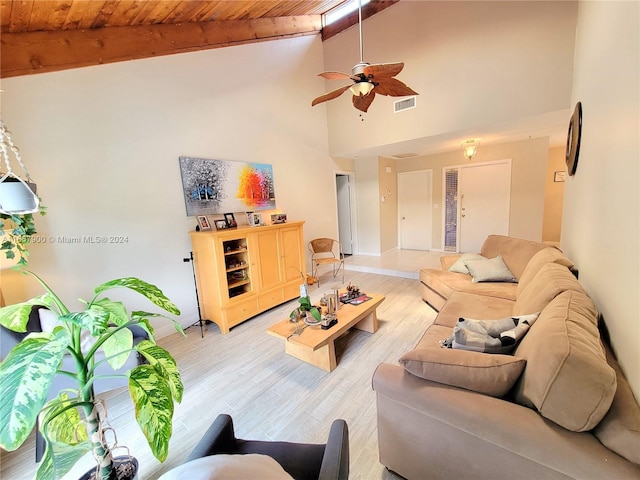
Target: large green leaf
x=61 y=421
x=164 y=363
x=25 y=378
x=149 y=291
x=59 y=458
x=15 y=317
x=117 y=312
x=118 y=346
x=151 y=396
x=65 y=435
x=141 y=316
x=95 y=321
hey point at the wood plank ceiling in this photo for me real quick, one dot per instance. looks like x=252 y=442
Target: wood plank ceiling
x=39 y=36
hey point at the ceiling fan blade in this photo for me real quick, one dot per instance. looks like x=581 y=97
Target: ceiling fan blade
x=383 y=69
x=330 y=96
x=362 y=102
x=334 y=75
x=393 y=88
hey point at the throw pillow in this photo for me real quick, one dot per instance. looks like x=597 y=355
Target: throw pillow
x=48 y=320
x=459 y=265
x=229 y=467
x=490 y=270
x=489 y=336
x=489 y=374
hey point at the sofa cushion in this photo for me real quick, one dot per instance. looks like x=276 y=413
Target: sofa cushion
x=489 y=374
x=540 y=259
x=619 y=430
x=481 y=307
x=550 y=280
x=489 y=270
x=447 y=283
x=516 y=252
x=567 y=378
x=459 y=266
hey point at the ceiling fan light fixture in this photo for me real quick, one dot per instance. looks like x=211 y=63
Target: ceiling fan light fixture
x=361 y=88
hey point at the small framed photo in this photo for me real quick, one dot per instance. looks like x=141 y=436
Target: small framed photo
x=278 y=218
x=203 y=222
x=254 y=219
x=559 y=176
x=231 y=220
x=221 y=224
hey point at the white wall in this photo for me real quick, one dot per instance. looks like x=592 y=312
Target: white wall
x=601 y=216
x=474 y=64
x=103 y=144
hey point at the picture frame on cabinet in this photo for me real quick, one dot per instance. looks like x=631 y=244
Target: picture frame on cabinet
x=254 y=219
x=203 y=222
x=278 y=218
x=220 y=224
x=231 y=220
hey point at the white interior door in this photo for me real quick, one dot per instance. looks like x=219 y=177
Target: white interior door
x=415 y=209
x=485 y=197
x=344 y=195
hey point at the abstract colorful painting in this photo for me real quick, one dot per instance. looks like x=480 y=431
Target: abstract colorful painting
x=219 y=186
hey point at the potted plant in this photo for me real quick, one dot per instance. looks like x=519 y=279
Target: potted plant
x=15 y=239
x=305 y=303
x=71 y=423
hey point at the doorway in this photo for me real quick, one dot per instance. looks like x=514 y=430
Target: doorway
x=415 y=210
x=345 y=195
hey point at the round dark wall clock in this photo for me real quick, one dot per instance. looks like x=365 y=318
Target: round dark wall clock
x=573 y=139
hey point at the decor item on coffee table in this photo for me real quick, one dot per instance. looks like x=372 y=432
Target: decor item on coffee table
x=315 y=345
x=328 y=461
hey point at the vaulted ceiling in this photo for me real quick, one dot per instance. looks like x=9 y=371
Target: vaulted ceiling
x=49 y=35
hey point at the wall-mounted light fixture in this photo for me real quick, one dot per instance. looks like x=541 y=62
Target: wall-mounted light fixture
x=470 y=147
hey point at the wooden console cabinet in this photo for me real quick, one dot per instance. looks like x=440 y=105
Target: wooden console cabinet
x=244 y=271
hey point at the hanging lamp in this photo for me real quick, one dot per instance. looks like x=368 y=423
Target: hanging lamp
x=17 y=195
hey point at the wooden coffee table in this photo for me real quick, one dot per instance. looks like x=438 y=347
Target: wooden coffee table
x=315 y=345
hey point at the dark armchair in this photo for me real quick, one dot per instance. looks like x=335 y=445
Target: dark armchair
x=302 y=461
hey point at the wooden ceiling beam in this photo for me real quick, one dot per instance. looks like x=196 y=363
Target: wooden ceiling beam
x=38 y=52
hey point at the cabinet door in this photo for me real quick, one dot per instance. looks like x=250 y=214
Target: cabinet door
x=292 y=253
x=269 y=268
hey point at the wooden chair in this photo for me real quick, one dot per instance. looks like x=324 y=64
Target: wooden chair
x=326 y=251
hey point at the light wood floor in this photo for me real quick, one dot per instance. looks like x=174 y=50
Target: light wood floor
x=270 y=395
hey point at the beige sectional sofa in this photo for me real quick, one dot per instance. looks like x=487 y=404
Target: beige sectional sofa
x=557 y=406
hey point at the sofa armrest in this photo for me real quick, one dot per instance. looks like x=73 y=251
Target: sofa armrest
x=436 y=422
x=447 y=260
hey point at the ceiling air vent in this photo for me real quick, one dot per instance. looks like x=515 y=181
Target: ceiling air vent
x=406 y=104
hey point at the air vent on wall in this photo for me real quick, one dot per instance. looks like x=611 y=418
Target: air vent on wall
x=406 y=104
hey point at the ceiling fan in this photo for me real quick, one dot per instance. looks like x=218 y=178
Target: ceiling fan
x=368 y=80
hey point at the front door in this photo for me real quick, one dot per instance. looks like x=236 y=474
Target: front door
x=484 y=191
